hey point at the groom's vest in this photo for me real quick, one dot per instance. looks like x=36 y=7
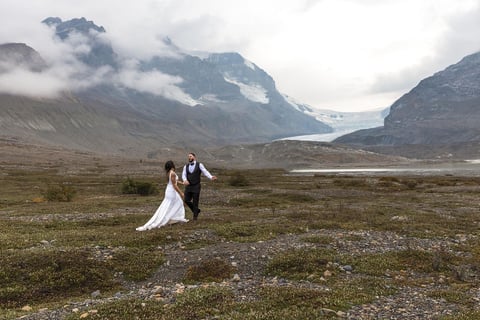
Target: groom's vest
x=194 y=178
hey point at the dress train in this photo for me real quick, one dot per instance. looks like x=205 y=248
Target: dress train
x=171 y=210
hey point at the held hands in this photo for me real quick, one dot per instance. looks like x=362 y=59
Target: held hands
x=186 y=182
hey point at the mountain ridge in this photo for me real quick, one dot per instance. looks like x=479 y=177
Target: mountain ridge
x=114 y=104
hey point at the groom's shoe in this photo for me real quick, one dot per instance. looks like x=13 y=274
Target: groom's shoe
x=195 y=216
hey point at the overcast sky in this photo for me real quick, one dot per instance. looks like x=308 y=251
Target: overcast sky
x=345 y=55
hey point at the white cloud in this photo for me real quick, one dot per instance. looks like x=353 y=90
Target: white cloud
x=52 y=81
x=153 y=82
x=32 y=83
x=337 y=54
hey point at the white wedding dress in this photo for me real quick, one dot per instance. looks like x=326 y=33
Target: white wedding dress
x=171 y=210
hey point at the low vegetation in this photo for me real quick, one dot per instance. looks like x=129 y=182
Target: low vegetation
x=143 y=188
x=82 y=240
x=214 y=270
x=60 y=193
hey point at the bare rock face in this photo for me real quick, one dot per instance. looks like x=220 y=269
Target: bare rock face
x=20 y=55
x=441 y=110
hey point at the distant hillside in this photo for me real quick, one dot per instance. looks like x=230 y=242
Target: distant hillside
x=288 y=155
x=442 y=111
x=297 y=155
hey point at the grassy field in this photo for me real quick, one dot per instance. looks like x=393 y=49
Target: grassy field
x=57 y=252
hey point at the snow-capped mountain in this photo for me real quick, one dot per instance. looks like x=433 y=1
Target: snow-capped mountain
x=92 y=98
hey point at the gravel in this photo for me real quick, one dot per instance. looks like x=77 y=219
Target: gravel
x=409 y=302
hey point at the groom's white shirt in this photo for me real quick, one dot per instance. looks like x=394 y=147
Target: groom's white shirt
x=191 y=168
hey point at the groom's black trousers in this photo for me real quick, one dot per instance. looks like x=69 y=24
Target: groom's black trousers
x=192 y=199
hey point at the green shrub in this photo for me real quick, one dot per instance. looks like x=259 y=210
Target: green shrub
x=300 y=264
x=62 y=193
x=238 y=180
x=350 y=183
x=137 y=264
x=146 y=188
x=395 y=261
x=203 y=303
x=214 y=270
x=28 y=277
x=143 y=188
x=464 y=315
x=129 y=187
x=199 y=303
x=411 y=184
x=127 y=309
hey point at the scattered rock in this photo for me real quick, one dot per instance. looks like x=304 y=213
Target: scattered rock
x=166 y=284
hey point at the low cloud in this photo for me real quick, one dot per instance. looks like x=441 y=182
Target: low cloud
x=459 y=40
x=65 y=71
x=34 y=84
x=400 y=81
x=52 y=81
x=335 y=50
x=154 y=82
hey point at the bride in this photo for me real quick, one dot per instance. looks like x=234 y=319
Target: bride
x=171 y=210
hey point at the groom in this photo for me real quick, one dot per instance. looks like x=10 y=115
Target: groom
x=191 y=179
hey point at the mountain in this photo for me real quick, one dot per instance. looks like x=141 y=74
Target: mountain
x=105 y=102
x=99 y=51
x=14 y=55
x=341 y=122
x=442 y=112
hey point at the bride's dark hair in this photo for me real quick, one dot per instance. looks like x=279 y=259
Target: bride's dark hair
x=169 y=165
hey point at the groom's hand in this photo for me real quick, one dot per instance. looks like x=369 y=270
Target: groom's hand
x=186 y=183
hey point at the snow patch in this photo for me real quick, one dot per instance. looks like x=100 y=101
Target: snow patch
x=41 y=125
x=292 y=102
x=249 y=64
x=253 y=92
x=323 y=137
x=186 y=99
x=208 y=98
x=474 y=161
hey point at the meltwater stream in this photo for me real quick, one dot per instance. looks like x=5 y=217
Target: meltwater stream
x=467 y=168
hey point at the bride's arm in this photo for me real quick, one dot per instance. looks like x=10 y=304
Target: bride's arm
x=173 y=178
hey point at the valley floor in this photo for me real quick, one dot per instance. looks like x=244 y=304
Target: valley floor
x=268 y=245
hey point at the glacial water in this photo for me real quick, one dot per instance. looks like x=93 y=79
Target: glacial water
x=467 y=168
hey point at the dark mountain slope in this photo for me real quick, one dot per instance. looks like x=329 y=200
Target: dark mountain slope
x=442 y=110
